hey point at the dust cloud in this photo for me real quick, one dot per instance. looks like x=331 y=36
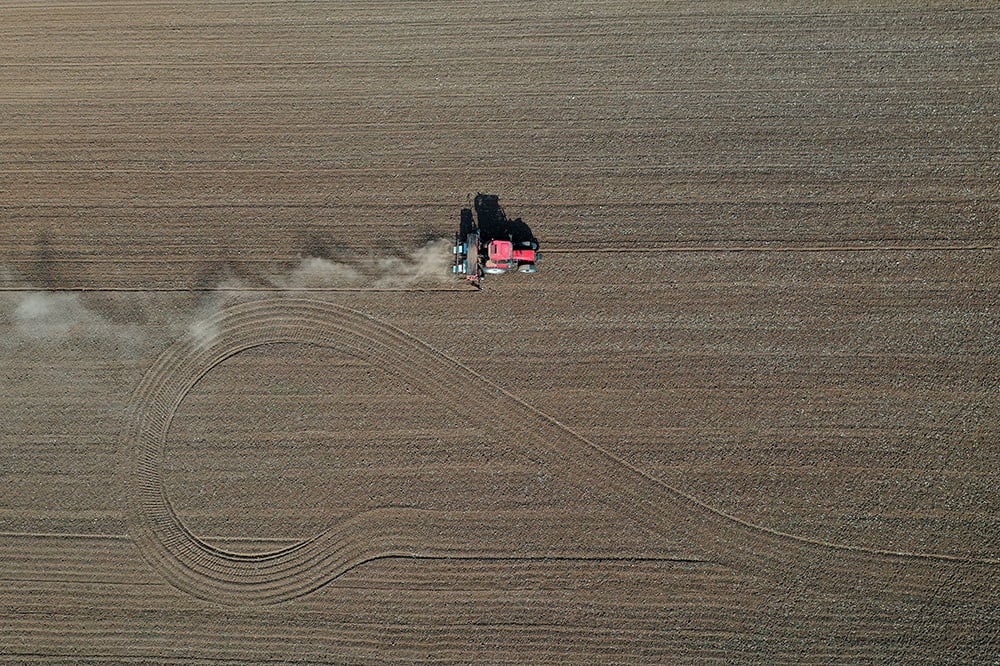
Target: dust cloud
x=54 y=318
x=34 y=316
x=428 y=265
x=318 y=273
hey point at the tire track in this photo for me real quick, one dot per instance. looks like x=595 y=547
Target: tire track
x=217 y=575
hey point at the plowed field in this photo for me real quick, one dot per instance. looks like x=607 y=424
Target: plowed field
x=748 y=411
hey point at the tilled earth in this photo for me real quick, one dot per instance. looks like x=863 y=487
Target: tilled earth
x=748 y=410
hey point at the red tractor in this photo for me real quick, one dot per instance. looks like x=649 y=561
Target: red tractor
x=488 y=243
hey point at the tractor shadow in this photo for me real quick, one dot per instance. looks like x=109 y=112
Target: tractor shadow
x=495 y=225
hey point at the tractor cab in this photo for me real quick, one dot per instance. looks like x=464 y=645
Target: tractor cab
x=499 y=257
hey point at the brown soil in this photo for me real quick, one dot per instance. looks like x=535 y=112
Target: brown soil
x=747 y=411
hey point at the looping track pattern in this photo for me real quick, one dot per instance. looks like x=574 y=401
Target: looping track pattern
x=213 y=574
x=217 y=575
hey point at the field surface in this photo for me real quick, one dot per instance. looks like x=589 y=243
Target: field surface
x=747 y=412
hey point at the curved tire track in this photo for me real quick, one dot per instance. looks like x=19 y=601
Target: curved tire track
x=230 y=578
